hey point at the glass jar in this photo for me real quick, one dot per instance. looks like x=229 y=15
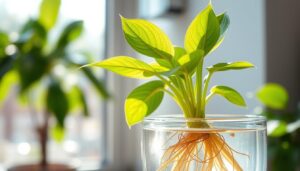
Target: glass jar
x=218 y=142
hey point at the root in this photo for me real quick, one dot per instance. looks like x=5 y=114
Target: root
x=205 y=151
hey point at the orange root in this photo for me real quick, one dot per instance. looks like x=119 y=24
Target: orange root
x=201 y=151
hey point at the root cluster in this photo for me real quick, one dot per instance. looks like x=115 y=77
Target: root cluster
x=200 y=152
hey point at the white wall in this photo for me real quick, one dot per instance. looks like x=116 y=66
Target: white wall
x=245 y=40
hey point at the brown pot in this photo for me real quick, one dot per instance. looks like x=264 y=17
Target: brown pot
x=37 y=167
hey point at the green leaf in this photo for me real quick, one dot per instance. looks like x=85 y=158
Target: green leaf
x=57 y=103
x=158 y=68
x=179 y=52
x=230 y=94
x=84 y=104
x=58 y=133
x=224 y=22
x=33 y=36
x=70 y=33
x=147 y=38
x=230 y=66
x=142 y=101
x=4 y=42
x=6 y=83
x=31 y=67
x=126 y=66
x=204 y=31
x=97 y=83
x=273 y=96
x=6 y=64
x=48 y=13
x=280 y=130
x=190 y=61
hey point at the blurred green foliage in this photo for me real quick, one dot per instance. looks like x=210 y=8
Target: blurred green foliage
x=30 y=63
x=283 y=128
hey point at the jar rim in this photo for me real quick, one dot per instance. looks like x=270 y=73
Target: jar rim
x=208 y=117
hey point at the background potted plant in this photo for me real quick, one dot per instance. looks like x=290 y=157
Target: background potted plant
x=30 y=62
x=283 y=128
x=196 y=141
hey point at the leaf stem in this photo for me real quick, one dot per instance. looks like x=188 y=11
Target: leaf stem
x=190 y=89
x=199 y=89
x=206 y=83
x=178 y=97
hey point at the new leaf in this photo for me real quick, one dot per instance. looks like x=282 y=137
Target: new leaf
x=204 y=31
x=142 y=101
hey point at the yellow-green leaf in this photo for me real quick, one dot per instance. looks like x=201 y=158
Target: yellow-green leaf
x=230 y=66
x=147 y=38
x=126 y=66
x=279 y=130
x=6 y=83
x=142 y=101
x=230 y=94
x=273 y=96
x=48 y=13
x=190 y=61
x=204 y=31
x=58 y=133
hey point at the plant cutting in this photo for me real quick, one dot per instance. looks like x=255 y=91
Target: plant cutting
x=40 y=69
x=178 y=72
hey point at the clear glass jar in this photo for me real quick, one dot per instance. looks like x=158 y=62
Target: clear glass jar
x=218 y=142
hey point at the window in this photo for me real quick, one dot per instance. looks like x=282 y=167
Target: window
x=84 y=142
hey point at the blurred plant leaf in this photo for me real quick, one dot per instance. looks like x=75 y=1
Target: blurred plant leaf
x=4 y=42
x=77 y=100
x=280 y=129
x=97 y=83
x=70 y=33
x=84 y=104
x=142 y=101
x=31 y=67
x=57 y=103
x=74 y=98
x=58 y=133
x=273 y=96
x=6 y=64
x=49 y=10
x=33 y=35
x=147 y=38
x=6 y=83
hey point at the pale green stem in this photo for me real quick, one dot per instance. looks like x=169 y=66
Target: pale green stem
x=206 y=83
x=177 y=93
x=190 y=89
x=187 y=104
x=199 y=88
